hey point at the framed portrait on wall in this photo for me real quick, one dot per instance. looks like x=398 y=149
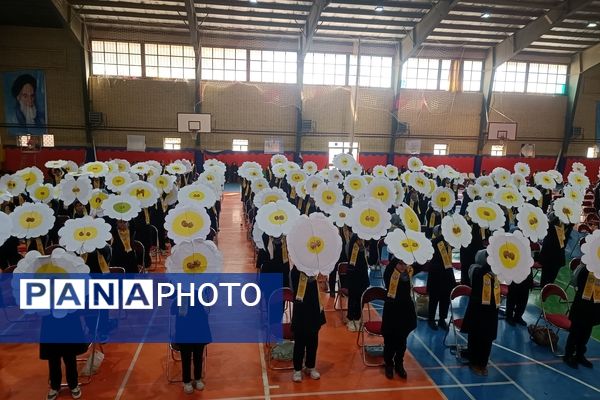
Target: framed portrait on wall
x=25 y=102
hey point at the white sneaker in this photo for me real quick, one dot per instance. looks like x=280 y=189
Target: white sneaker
x=313 y=373
x=297 y=376
x=199 y=385
x=76 y=393
x=52 y=394
x=188 y=388
x=351 y=325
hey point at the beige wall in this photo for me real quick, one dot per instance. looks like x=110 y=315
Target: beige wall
x=585 y=113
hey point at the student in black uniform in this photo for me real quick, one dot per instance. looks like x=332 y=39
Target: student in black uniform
x=358 y=280
x=440 y=280
x=277 y=260
x=307 y=319
x=552 y=253
x=467 y=254
x=399 y=317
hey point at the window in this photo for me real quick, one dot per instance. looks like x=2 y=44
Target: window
x=497 y=150
x=172 y=143
x=223 y=64
x=440 y=149
x=472 y=76
x=48 y=141
x=336 y=148
x=273 y=66
x=547 y=78
x=26 y=140
x=592 y=152
x=510 y=77
x=239 y=145
x=170 y=61
x=325 y=69
x=425 y=73
x=116 y=58
x=375 y=71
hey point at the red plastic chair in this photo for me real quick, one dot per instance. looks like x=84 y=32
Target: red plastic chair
x=286 y=326
x=456 y=322
x=584 y=228
x=342 y=291
x=573 y=264
x=589 y=210
x=556 y=320
x=368 y=325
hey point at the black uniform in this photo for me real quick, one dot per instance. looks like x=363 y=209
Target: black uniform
x=440 y=280
x=358 y=277
x=467 y=254
x=552 y=255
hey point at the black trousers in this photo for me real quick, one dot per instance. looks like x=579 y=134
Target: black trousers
x=441 y=298
x=332 y=281
x=354 y=306
x=516 y=300
x=305 y=349
x=549 y=274
x=56 y=371
x=577 y=339
x=464 y=274
x=191 y=352
x=479 y=350
x=394 y=347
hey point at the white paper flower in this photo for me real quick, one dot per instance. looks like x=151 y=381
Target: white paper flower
x=420 y=182
x=335 y=176
x=579 y=167
x=122 y=165
x=578 y=180
x=339 y=215
x=171 y=197
x=259 y=184
x=557 y=176
x=97 y=198
x=279 y=170
x=518 y=180
x=442 y=199
x=456 y=230
x=246 y=166
x=55 y=164
x=382 y=189
x=295 y=176
x=145 y=192
x=501 y=176
x=343 y=161
x=314 y=244
x=121 y=207
x=300 y=188
x=276 y=219
x=415 y=164
x=379 y=171
x=488 y=193
x=214 y=163
x=573 y=193
x=327 y=196
x=32 y=176
x=312 y=183
x=522 y=169
x=567 y=211
x=95 y=169
x=310 y=168
x=409 y=246
x=508 y=197
x=187 y=223
x=71 y=167
x=5 y=227
x=195 y=257
x=532 y=221
x=509 y=256
x=198 y=195
x=13 y=184
x=486 y=214
x=213 y=176
x=530 y=193
x=42 y=193
x=591 y=253
x=254 y=173
x=257 y=237
x=399 y=193
x=72 y=189
x=545 y=180
x=5 y=195
x=355 y=185
x=369 y=219
x=32 y=220
x=292 y=166
x=485 y=181
x=269 y=195
x=116 y=181
x=163 y=183
x=278 y=159
x=175 y=168
x=391 y=171
x=474 y=191
x=356 y=169
x=409 y=218
x=84 y=235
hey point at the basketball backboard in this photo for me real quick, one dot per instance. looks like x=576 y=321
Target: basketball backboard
x=192 y=122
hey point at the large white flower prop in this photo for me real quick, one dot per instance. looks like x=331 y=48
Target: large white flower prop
x=339 y=215
x=485 y=181
x=474 y=191
x=259 y=184
x=522 y=169
x=579 y=167
x=567 y=211
x=216 y=182
x=391 y=171
x=578 y=180
x=250 y=166
x=71 y=167
x=295 y=176
x=278 y=159
x=116 y=181
x=171 y=197
x=343 y=161
x=399 y=193
x=382 y=189
x=545 y=180
x=573 y=193
x=13 y=184
x=415 y=164
x=314 y=244
x=310 y=168
x=486 y=214
x=409 y=217
x=508 y=197
x=532 y=221
x=41 y=193
x=312 y=183
x=328 y=196
x=442 y=199
x=98 y=197
x=409 y=246
x=71 y=189
x=269 y=195
x=335 y=176
x=300 y=188
x=501 y=176
x=420 y=182
x=257 y=237
x=4 y=195
x=163 y=183
x=122 y=165
x=279 y=170
x=84 y=235
x=145 y=192
x=187 y=223
x=369 y=219
x=32 y=220
x=530 y=193
x=197 y=194
x=378 y=171
x=95 y=169
x=5 y=227
x=591 y=253
x=355 y=185
x=488 y=193
x=509 y=256
x=121 y=207
x=276 y=219
x=195 y=257
x=557 y=176
x=518 y=180
x=214 y=163
x=176 y=168
x=55 y=164
x=32 y=176
x=456 y=230
x=356 y=169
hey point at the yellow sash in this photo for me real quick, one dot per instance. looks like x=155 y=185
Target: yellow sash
x=163 y=204
x=591 y=291
x=486 y=293
x=432 y=220
x=147 y=216
x=511 y=216
x=124 y=235
x=347 y=199
x=293 y=193
x=38 y=245
x=560 y=233
x=284 y=250
x=482 y=232
x=302 y=282
x=307 y=207
x=445 y=254
x=101 y=262
x=394 y=280
x=354 y=256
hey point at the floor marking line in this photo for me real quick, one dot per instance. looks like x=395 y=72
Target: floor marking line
x=505 y=375
x=265 y=375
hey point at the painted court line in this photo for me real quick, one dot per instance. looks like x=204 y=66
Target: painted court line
x=505 y=375
x=265 y=375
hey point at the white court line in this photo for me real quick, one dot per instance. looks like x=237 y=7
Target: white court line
x=265 y=375
x=460 y=385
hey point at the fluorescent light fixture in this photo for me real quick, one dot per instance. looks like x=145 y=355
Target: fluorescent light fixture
x=592 y=25
x=379 y=8
x=486 y=15
x=253 y=1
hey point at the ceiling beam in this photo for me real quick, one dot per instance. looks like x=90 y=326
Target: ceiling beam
x=415 y=38
x=71 y=20
x=192 y=20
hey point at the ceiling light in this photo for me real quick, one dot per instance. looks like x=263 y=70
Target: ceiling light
x=379 y=8
x=253 y=1
x=486 y=15
x=592 y=25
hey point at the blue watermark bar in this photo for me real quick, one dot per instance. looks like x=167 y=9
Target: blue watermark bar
x=136 y=308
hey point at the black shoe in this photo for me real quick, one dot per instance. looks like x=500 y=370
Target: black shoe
x=510 y=321
x=585 y=362
x=442 y=324
x=400 y=370
x=389 y=371
x=570 y=361
x=432 y=325
x=520 y=321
